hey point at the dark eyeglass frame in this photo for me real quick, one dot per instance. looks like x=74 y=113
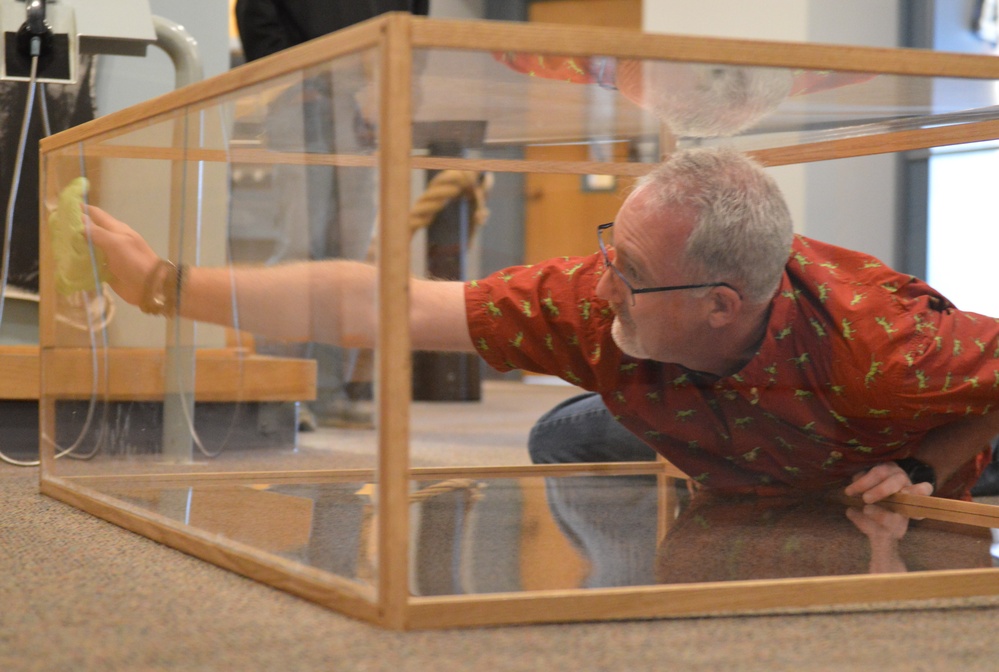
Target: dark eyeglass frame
x=647 y=290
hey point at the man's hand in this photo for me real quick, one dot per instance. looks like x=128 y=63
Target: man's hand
x=883 y=481
x=129 y=257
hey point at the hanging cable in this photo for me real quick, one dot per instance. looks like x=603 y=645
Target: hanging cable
x=70 y=451
x=43 y=106
x=33 y=86
x=36 y=46
x=186 y=404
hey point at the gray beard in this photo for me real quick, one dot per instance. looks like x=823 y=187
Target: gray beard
x=625 y=339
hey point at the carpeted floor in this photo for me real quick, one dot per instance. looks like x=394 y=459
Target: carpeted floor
x=77 y=593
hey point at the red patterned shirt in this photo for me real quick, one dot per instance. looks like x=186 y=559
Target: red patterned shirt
x=857 y=364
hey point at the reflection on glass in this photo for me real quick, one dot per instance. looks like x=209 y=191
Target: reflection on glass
x=728 y=539
x=691 y=99
x=525 y=98
x=293 y=209
x=694 y=100
x=522 y=534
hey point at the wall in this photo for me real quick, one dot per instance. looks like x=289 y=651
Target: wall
x=125 y=80
x=816 y=192
x=457 y=9
x=957 y=203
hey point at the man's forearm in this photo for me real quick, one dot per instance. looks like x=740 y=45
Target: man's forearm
x=332 y=301
x=949 y=447
x=328 y=301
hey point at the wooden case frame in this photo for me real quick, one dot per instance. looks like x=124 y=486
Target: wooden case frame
x=396 y=37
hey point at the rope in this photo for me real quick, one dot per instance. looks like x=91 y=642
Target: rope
x=446 y=186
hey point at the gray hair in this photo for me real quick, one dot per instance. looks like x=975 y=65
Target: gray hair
x=742 y=232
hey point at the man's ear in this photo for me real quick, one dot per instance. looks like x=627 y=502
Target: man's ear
x=724 y=308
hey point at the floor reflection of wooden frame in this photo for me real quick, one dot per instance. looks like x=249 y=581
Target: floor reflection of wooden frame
x=466 y=490
x=357 y=596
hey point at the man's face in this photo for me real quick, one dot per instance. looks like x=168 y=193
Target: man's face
x=648 y=246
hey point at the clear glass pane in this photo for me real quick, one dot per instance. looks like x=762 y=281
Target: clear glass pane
x=268 y=177
x=532 y=533
x=963 y=207
x=585 y=531
x=506 y=98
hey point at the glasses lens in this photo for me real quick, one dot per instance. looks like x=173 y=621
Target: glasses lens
x=606 y=241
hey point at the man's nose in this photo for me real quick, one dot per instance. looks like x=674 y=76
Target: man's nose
x=609 y=287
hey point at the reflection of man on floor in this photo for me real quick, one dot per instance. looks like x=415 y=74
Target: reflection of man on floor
x=613 y=522
x=742 y=538
x=755 y=360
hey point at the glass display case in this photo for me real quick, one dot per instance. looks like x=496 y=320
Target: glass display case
x=188 y=432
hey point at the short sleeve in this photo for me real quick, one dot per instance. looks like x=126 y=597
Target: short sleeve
x=544 y=318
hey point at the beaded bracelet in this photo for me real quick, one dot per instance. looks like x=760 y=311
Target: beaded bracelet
x=161 y=294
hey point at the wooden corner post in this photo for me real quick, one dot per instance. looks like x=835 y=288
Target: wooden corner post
x=394 y=373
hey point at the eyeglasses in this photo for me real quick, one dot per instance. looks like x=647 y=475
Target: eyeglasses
x=646 y=290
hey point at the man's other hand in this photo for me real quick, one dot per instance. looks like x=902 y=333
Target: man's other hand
x=883 y=481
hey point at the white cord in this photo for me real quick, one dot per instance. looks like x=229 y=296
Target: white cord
x=70 y=451
x=9 y=222
x=34 y=85
x=195 y=437
x=102 y=436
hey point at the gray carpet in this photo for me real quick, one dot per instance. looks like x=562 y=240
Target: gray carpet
x=77 y=593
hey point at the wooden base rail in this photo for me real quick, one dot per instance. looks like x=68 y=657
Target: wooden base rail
x=223 y=374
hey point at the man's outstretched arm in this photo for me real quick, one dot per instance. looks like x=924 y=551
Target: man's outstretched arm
x=332 y=301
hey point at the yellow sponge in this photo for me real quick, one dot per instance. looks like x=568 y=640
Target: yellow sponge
x=70 y=247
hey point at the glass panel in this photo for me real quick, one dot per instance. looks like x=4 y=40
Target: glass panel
x=328 y=524
x=500 y=99
x=270 y=176
x=475 y=535
x=962 y=207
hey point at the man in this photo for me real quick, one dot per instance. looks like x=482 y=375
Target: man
x=754 y=360
x=268 y=26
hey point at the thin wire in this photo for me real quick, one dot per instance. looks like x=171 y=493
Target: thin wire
x=70 y=451
x=33 y=86
x=184 y=405
x=176 y=319
x=43 y=105
x=224 y=125
x=95 y=275
x=9 y=222
x=16 y=183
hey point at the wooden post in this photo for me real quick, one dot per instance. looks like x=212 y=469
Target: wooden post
x=394 y=360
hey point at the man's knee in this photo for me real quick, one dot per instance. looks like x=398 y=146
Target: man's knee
x=581 y=429
x=556 y=435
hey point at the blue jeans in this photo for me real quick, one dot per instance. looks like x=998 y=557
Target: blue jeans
x=581 y=429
